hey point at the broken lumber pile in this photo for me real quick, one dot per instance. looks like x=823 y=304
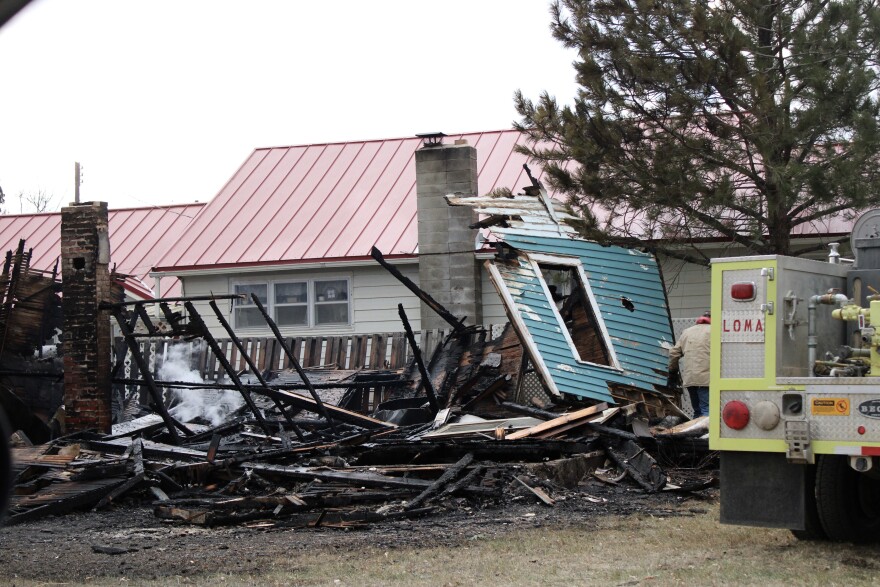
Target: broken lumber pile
x=233 y=474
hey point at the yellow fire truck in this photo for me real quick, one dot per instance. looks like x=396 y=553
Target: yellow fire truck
x=795 y=390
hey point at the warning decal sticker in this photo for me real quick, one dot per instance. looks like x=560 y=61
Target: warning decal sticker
x=830 y=406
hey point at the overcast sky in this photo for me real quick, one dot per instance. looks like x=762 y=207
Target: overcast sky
x=161 y=101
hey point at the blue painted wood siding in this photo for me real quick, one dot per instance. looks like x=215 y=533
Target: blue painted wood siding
x=612 y=272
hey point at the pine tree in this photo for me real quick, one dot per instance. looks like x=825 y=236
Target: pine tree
x=745 y=120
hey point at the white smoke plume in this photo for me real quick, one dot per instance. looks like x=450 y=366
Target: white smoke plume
x=212 y=405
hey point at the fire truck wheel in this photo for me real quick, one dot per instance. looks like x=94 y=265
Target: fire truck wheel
x=847 y=501
x=813 y=525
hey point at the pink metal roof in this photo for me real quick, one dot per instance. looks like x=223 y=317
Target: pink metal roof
x=327 y=202
x=138 y=239
x=333 y=202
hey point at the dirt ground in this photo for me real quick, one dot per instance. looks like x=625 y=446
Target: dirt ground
x=129 y=543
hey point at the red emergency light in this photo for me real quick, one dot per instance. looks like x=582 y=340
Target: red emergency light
x=743 y=291
x=735 y=414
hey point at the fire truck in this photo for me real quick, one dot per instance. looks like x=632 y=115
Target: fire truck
x=795 y=390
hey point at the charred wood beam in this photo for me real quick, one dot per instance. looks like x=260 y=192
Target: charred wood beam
x=253 y=367
x=494 y=385
x=145 y=318
x=494 y=220
x=465 y=481
x=196 y=319
x=353 y=440
x=417 y=355
x=144 y=368
x=223 y=429
x=615 y=432
x=328 y=475
x=444 y=480
x=137 y=457
x=321 y=409
x=26 y=374
x=112 y=305
x=253 y=387
x=11 y=291
x=423 y=451
x=536 y=491
x=175 y=319
x=457 y=325
x=530 y=411
x=151 y=450
x=643 y=469
x=91 y=492
x=309 y=423
x=353 y=477
x=339 y=414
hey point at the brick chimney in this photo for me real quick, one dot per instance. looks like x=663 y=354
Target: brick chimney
x=85 y=283
x=448 y=270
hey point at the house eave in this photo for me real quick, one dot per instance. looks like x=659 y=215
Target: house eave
x=260 y=267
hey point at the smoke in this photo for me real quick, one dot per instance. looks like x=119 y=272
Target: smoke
x=211 y=405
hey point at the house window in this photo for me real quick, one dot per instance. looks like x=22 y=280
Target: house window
x=331 y=305
x=247 y=315
x=292 y=303
x=305 y=303
x=577 y=312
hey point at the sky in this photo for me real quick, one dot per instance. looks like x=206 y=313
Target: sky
x=161 y=101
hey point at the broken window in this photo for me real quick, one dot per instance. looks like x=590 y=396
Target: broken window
x=576 y=309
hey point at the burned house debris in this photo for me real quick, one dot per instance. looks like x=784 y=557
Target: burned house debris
x=572 y=390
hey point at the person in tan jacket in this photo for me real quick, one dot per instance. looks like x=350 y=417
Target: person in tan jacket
x=693 y=345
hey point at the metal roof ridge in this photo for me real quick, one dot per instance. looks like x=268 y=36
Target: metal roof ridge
x=331 y=143
x=110 y=210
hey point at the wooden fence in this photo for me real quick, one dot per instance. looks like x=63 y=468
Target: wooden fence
x=357 y=351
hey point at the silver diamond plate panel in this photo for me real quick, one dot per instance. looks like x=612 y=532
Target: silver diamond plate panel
x=742 y=360
x=742 y=357
x=840 y=428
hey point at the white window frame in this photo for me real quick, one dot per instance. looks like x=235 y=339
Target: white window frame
x=247 y=303
x=276 y=305
x=538 y=259
x=315 y=301
x=310 y=304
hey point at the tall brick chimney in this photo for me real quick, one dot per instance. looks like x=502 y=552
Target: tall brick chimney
x=448 y=270
x=85 y=283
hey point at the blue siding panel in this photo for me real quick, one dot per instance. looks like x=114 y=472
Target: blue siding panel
x=612 y=272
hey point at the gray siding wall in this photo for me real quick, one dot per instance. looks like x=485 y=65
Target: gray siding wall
x=688 y=288
x=374 y=298
x=493 y=309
